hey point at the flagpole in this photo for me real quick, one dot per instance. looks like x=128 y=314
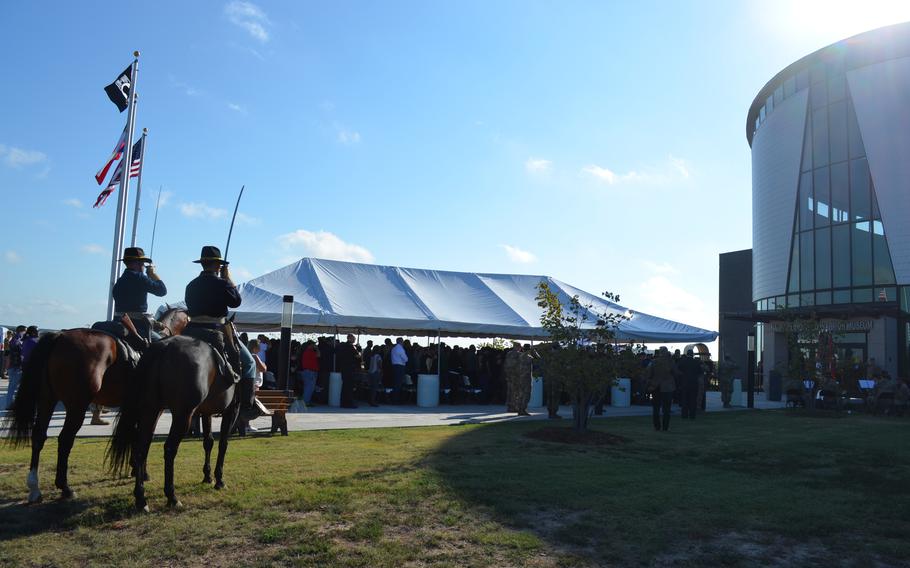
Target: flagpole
x=120 y=221
x=145 y=132
x=155 y=224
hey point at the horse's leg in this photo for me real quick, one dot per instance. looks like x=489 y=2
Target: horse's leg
x=141 y=445
x=75 y=416
x=207 y=442
x=180 y=424
x=39 y=436
x=228 y=419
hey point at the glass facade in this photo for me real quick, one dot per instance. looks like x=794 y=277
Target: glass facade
x=839 y=252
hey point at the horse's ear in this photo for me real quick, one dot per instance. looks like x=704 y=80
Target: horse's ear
x=167 y=307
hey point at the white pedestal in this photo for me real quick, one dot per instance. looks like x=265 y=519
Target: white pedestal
x=335 y=389
x=736 y=397
x=427 y=391
x=621 y=393
x=536 y=400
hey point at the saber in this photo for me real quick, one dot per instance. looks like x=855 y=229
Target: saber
x=155 y=226
x=227 y=247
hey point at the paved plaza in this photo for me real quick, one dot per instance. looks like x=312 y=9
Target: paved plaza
x=394 y=416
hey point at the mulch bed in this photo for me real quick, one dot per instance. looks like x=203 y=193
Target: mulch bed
x=569 y=436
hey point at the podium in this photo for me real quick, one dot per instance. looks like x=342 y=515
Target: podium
x=427 y=391
x=621 y=393
x=335 y=389
x=736 y=397
x=536 y=400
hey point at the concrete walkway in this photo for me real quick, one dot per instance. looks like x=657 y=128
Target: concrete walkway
x=326 y=418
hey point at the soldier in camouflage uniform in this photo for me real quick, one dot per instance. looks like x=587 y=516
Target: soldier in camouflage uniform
x=725 y=371
x=517 y=371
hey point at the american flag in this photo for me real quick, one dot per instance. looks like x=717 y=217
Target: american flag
x=136 y=166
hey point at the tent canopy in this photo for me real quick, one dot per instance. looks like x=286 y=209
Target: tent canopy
x=367 y=298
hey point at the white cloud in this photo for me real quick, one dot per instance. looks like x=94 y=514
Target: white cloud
x=241 y=272
x=12 y=257
x=37 y=310
x=659 y=267
x=166 y=196
x=673 y=170
x=603 y=174
x=236 y=108
x=518 y=255
x=323 y=244
x=74 y=203
x=201 y=210
x=538 y=165
x=17 y=157
x=92 y=249
x=661 y=297
x=245 y=219
x=680 y=166
x=250 y=17
x=348 y=137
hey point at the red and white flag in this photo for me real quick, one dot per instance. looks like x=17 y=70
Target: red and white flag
x=111 y=186
x=118 y=151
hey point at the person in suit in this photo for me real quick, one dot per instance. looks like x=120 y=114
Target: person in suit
x=348 y=361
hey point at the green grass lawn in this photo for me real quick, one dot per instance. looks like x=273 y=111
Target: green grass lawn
x=730 y=489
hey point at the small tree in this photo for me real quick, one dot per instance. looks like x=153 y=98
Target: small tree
x=581 y=359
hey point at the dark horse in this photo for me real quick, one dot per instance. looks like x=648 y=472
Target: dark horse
x=182 y=375
x=76 y=367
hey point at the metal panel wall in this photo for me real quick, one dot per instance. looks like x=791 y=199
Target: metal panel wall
x=776 y=153
x=880 y=95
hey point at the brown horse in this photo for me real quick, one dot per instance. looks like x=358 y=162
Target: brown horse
x=180 y=374
x=76 y=367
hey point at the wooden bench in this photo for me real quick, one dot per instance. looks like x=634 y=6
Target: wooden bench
x=278 y=402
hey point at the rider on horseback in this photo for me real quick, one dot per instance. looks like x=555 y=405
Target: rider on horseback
x=132 y=289
x=208 y=297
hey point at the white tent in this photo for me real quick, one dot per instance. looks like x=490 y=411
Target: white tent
x=330 y=294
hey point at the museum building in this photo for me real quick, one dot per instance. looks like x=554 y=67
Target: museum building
x=830 y=139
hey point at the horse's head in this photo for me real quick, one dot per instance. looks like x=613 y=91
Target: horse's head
x=173 y=320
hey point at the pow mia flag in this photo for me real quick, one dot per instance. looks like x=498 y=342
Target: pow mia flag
x=119 y=90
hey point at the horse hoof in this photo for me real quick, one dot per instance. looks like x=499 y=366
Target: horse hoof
x=143 y=509
x=176 y=504
x=35 y=497
x=207 y=480
x=219 y=485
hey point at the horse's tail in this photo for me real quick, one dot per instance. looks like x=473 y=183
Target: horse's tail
x=126 y=428
x=20 y=421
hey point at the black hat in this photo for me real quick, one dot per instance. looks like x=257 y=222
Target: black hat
x=134 y=253
x=210 y=253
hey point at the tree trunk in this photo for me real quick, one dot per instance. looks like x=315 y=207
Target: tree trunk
x=580 y=408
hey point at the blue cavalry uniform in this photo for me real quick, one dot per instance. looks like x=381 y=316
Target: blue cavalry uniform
x=132 y=289
x=208 y=297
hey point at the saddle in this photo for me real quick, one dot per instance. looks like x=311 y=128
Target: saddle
x=228 y=362
x=129 y=345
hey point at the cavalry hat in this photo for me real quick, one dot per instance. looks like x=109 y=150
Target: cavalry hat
x=134 y=253
x=210 y=253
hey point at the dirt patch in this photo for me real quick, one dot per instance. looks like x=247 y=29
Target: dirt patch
x=748 y=549
x=569 y=436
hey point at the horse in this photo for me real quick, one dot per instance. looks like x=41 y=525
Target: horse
x=76 y=367
x=180 y=374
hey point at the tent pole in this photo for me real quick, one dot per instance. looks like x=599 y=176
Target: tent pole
x=334 y=350
x=438 y=357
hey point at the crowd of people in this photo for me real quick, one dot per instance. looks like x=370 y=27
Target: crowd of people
x=17 y=346
x=387 y=372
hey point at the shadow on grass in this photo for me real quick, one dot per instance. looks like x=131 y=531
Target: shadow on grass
x=749 y=485
x=19 y=519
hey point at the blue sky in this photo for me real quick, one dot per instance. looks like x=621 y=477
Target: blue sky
x=602 y=143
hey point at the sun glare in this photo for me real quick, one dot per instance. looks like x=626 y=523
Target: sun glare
x=827 y=21
x=833 y=20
